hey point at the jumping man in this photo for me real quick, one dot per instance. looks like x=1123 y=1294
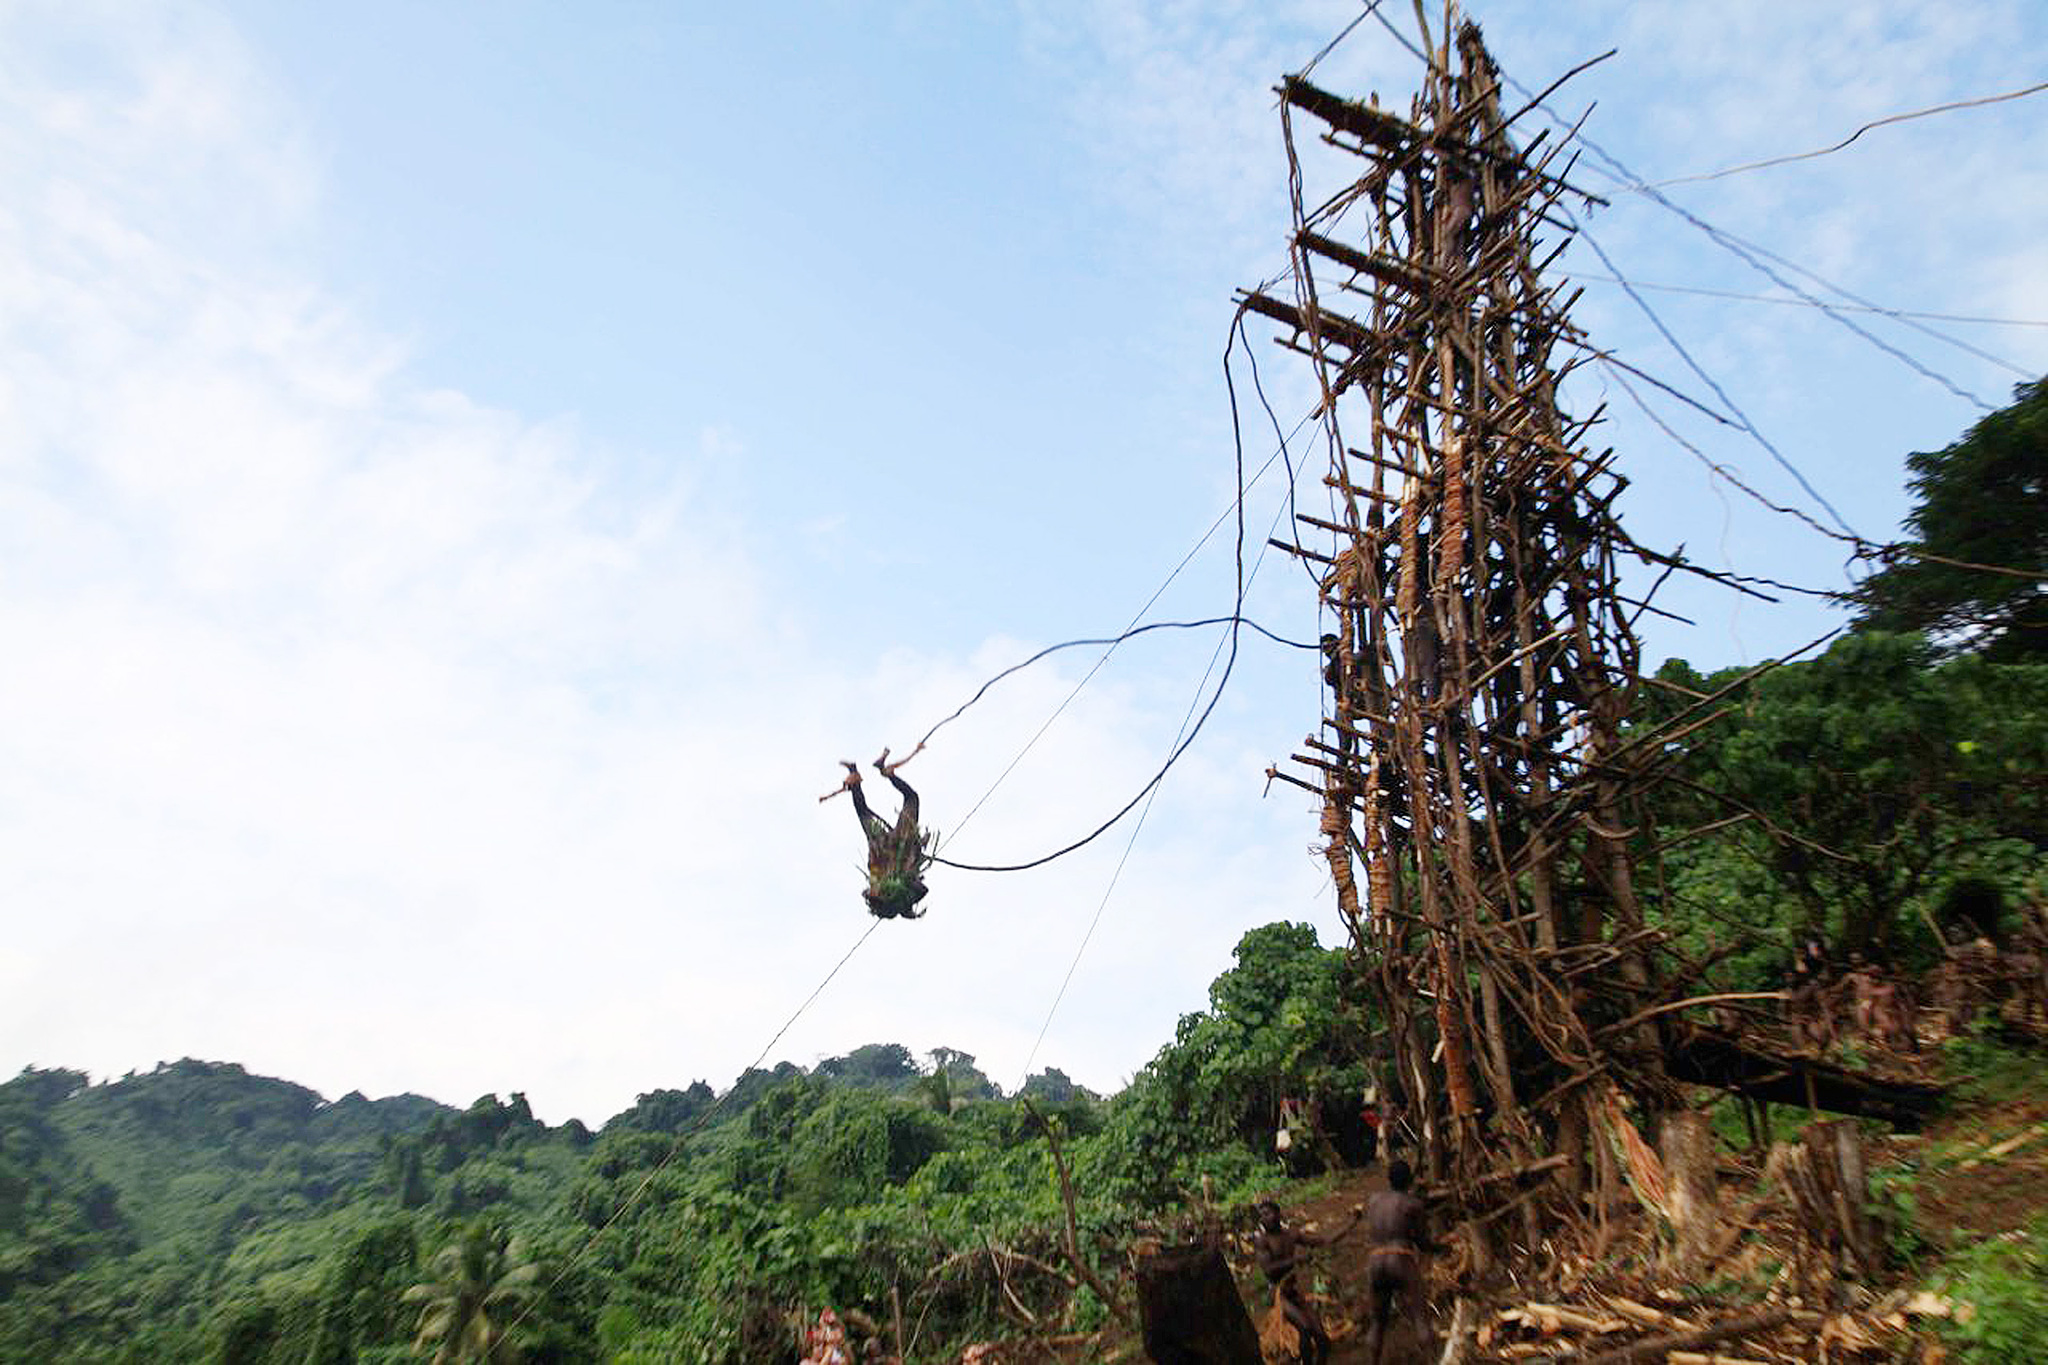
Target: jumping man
x=897 y=853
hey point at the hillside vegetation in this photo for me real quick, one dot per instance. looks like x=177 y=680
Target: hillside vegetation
x=1888 y=798
x=198 y=1212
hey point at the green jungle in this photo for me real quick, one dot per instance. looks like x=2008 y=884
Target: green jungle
x=199 y=1213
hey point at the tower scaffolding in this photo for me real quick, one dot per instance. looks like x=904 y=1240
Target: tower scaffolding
x=1472 y=760
x=1481 y=765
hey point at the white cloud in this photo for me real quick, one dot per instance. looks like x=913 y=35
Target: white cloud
x=330 y=698
x=377 y=738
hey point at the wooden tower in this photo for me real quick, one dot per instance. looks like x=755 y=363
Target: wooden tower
x=1472 y=761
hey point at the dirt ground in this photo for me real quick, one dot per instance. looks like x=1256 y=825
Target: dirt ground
x=1968 y=1188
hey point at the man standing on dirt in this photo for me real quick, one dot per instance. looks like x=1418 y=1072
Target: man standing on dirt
x=1370 y=1118
x=1399 y=1227
x=1280 y=1250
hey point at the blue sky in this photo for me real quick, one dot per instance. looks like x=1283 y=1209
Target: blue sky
x=467 y=472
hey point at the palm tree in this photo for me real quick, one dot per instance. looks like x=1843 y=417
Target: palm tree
x=475 y=1279
x=937 y=1090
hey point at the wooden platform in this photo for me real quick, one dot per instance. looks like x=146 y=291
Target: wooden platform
x=1706 y=1056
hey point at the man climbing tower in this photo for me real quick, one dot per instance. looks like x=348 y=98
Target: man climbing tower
x=898 y=853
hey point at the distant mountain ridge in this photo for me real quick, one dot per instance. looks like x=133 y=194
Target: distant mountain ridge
x=140 y=1150
x=194 y=1101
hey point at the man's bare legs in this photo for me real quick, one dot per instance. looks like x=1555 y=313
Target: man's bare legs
x=851 y=784
x=907 y=818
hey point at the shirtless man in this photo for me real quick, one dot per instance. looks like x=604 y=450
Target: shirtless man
x=1370 y=1117
x=1861 y=996
x=825 y=1344
x=1807 y=1006
x=1898 y=1022
x=1399 y=1226
x=1803 y=1007
x=1280 y=1250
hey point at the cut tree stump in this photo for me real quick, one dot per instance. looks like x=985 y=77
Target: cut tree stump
x=1824 y=1173
x=1693 y=1201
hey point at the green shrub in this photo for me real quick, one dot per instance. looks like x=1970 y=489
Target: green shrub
x=1985 y=1070
x=2004 y=1283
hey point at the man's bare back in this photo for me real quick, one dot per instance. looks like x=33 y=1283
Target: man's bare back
x=1398 y=1225
x=1395 y=1217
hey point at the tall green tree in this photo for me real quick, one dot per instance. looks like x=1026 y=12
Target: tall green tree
x=664 y=1111
x=1053 y=1086
x=360 y=1307
x=1983 y=500
x=965 y=1080
x=886 y=1065
x=1280 y=1023
x=1866 y=780
x=477 y=1281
